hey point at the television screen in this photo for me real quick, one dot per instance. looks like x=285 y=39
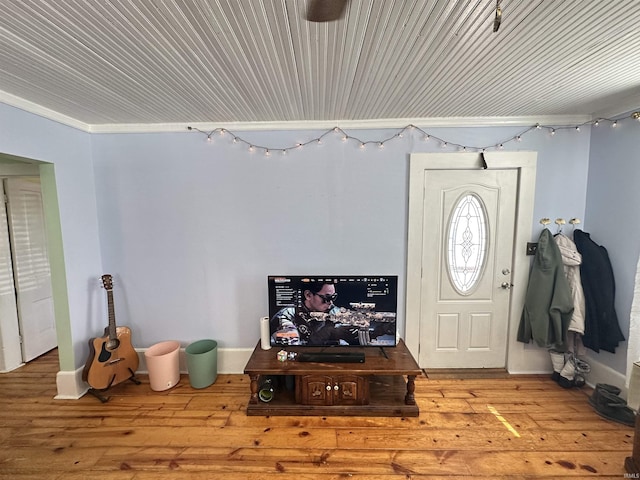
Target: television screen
x=333 y=310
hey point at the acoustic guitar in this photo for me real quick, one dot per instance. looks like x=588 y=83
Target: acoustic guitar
x=112 y=358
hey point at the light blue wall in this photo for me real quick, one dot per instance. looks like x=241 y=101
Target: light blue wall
x=192 y=229
x=69 y=150
x=612 y=215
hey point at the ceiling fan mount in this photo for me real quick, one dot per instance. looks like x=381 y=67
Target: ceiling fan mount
x=326 y=10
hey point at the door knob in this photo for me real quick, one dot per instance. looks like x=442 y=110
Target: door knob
x=506 y=285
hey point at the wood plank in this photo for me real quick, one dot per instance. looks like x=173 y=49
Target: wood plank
x=489 y=439
x=466 y=373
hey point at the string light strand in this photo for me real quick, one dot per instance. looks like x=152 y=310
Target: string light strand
x=426 y=136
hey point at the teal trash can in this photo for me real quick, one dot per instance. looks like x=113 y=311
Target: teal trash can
x=202 y=363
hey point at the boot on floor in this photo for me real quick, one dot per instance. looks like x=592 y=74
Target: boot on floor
x=557 y=361
x=568 y=374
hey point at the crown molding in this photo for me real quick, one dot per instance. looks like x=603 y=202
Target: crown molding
x=396 y=123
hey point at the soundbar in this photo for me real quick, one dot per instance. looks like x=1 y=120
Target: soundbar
x=331 y=357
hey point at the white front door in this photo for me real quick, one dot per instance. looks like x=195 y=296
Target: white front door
x=462 y=225
x=466 y=264
x=31 y=266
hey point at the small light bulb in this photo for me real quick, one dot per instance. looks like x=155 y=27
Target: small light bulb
x=614 y=124
x=577 y=129
x=553 y=131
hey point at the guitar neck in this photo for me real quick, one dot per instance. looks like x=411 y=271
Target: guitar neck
x=112 y=316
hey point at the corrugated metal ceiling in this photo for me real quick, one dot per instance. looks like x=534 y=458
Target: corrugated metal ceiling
x=112 y=62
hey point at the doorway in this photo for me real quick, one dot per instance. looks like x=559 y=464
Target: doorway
x=25 y=237
x=11 y=354
x=466 y=272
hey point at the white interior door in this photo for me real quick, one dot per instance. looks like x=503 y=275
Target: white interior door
x=31 y=266
x=468 y=229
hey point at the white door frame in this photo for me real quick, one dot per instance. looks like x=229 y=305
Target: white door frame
x=519 y=358
x=10 y=351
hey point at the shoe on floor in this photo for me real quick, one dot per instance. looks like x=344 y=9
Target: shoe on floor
x=609 y=388
x=612 y=407
x=594 y=399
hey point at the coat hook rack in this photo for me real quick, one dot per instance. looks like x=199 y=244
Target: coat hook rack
x=532 y=247
x=560 y=221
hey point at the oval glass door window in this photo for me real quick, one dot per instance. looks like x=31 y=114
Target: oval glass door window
x=467 y=243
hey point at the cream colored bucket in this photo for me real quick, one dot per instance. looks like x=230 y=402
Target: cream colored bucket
x=163 y=364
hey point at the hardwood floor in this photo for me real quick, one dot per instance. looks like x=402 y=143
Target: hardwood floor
x=522 y=427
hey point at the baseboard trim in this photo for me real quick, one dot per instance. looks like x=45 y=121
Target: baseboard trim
x=70 y=384
x=230 y=361
x=599 y=374
x=603 y=374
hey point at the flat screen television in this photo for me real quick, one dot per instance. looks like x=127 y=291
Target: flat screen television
x=328 y=310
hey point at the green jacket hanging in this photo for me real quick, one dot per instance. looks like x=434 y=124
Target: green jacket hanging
x=548 y=303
